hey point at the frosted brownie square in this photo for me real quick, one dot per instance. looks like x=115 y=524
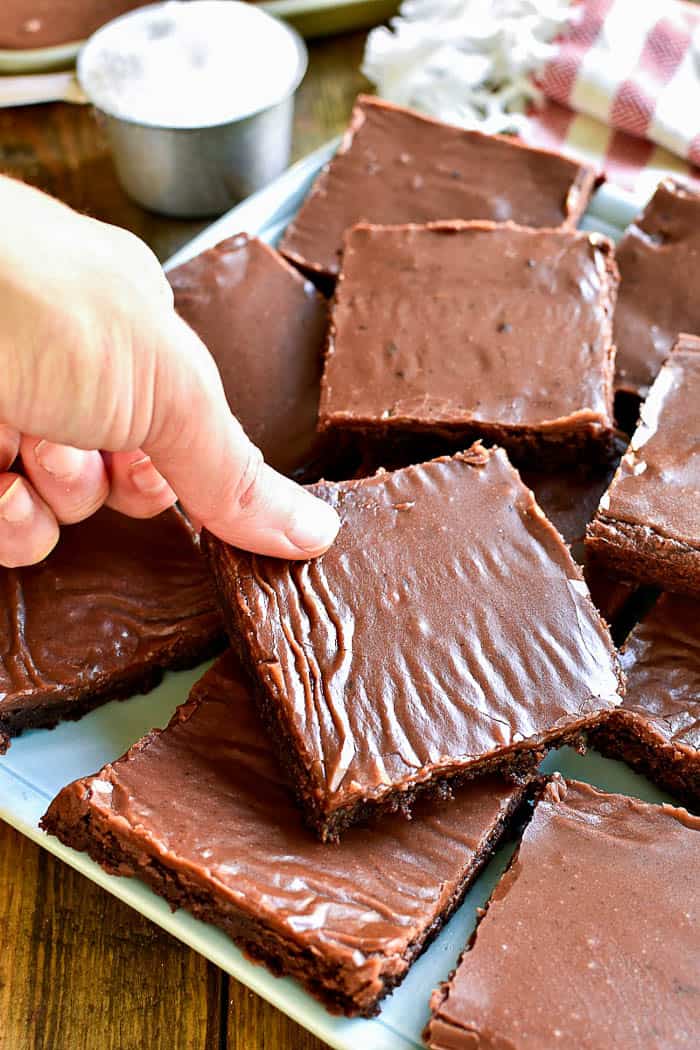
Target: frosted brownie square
x=590 y=938
x=446 y=633
x=265 y=326
x=114 y=605
x=448 y=332
x=657 y=728
x=648 y=523
x=395 y=165
x=203 y=814
x=658 y=257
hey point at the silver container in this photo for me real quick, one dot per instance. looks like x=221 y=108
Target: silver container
x=202 y=171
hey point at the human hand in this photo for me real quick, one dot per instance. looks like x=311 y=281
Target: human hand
x=109 y=397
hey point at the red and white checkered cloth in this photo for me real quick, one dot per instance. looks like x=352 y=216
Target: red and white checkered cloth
x=623 y=91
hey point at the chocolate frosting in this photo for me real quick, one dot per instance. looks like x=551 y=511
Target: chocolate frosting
x=27 y=24
x=117 y=597
x=457 y=323
x=447 y=622
x=661 y=659
x=395 y=165
x=591 y=937
x=657 y=484
x=658 y=258
x=206 y=800
x=265 y=327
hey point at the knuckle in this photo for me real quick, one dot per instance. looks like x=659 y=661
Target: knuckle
x=248 y=484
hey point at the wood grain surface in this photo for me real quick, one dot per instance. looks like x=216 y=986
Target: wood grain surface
x=79 y=970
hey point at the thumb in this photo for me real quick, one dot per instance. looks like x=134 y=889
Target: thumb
x=218 y=474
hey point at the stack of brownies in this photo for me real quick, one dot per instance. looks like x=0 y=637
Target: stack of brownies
x=460 y=386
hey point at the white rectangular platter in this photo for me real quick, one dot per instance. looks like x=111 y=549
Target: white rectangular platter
x=40 y=762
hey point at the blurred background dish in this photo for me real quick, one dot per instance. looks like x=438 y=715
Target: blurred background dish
x=197 y=101
x=19 y=52
x=41 y=35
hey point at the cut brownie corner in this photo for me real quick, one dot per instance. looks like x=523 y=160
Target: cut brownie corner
x=673 y=766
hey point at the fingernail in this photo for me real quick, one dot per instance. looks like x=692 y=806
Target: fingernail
x=61 y=461
x=16 y=503
x=9 y=447
x=317 y=529
x=146 y=478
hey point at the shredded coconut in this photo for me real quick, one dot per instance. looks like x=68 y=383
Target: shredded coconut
x=468 y=62
x=182 y=65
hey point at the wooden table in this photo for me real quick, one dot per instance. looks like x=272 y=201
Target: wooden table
x=79 y=970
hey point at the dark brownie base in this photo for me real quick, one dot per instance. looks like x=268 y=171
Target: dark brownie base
x=638 y=553
x=615 y=599
x=71 y=705
x=630 y=737
x=627 y=407
x=181 y=890
x=323 y=282
x=395 y=446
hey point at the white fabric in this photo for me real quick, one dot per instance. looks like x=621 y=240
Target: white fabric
x=469 y=62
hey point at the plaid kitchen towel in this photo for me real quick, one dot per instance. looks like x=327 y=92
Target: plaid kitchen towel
x=614 y=82
x=623 y=91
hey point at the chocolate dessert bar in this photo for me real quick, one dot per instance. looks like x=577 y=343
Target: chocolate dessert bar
x=446 y=633
x=648 y=524
x=114 y=605
x=265 y=326
x=395 y=165
x=453 y=331
x=657 y=729
x=590 y=939
x=658 y=259
x=202 y=813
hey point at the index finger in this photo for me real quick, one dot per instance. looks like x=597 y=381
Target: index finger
x=218 y=474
